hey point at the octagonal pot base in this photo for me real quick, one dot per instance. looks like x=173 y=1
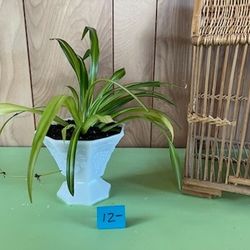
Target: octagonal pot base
x=86 y=193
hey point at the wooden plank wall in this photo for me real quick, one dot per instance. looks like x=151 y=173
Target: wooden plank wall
x=150 y=38
x=14 y=72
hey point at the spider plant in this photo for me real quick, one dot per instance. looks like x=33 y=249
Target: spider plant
x=106 y=109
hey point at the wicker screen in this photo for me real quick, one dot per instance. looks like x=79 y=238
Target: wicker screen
x=221 y=22
x=218 y=148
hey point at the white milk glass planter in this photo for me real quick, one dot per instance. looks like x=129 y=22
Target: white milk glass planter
x=91 y=160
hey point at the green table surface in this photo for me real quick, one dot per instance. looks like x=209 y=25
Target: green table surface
x=158 y=216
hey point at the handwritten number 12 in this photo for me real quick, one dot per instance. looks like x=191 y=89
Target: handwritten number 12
x=110 y=217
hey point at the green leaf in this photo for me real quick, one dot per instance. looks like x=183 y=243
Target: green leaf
x=132 y=117
x=94 y=119
x=175 y=163
x=157 y=95
x=8 y=108
x=47 y=117
x=64 y=130
x=160 y=120
x=155 y=116
x=71 y=105
x=71 y=56
x=134 y=86
x=12 y=108
x=115 y=77
x=7 y=121
x=109 y=82
x=94 y=53
x=119 y=74
x=84 y=80
x=149 y=84
x=108 y=92
x=86 y=54
x=104 y=118
x=77 y=64
x=76 y=97
x=70 y=169
x=113 y=103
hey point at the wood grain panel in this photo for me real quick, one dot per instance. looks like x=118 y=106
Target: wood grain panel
x=14 y=72
x=173 y=63
x=134 y=34
x=65 y=19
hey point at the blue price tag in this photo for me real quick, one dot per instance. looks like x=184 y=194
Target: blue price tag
x=109 y=217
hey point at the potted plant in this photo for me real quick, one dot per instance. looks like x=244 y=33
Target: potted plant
x=105 y=113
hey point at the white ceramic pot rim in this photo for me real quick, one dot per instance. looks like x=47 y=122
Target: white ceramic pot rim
x=91 y=141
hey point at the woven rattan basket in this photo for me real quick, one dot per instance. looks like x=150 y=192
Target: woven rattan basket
x=218 y=147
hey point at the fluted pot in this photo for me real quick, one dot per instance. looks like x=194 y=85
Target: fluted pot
x=91 y=160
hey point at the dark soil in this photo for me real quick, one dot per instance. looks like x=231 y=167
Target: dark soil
x=55 y=132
